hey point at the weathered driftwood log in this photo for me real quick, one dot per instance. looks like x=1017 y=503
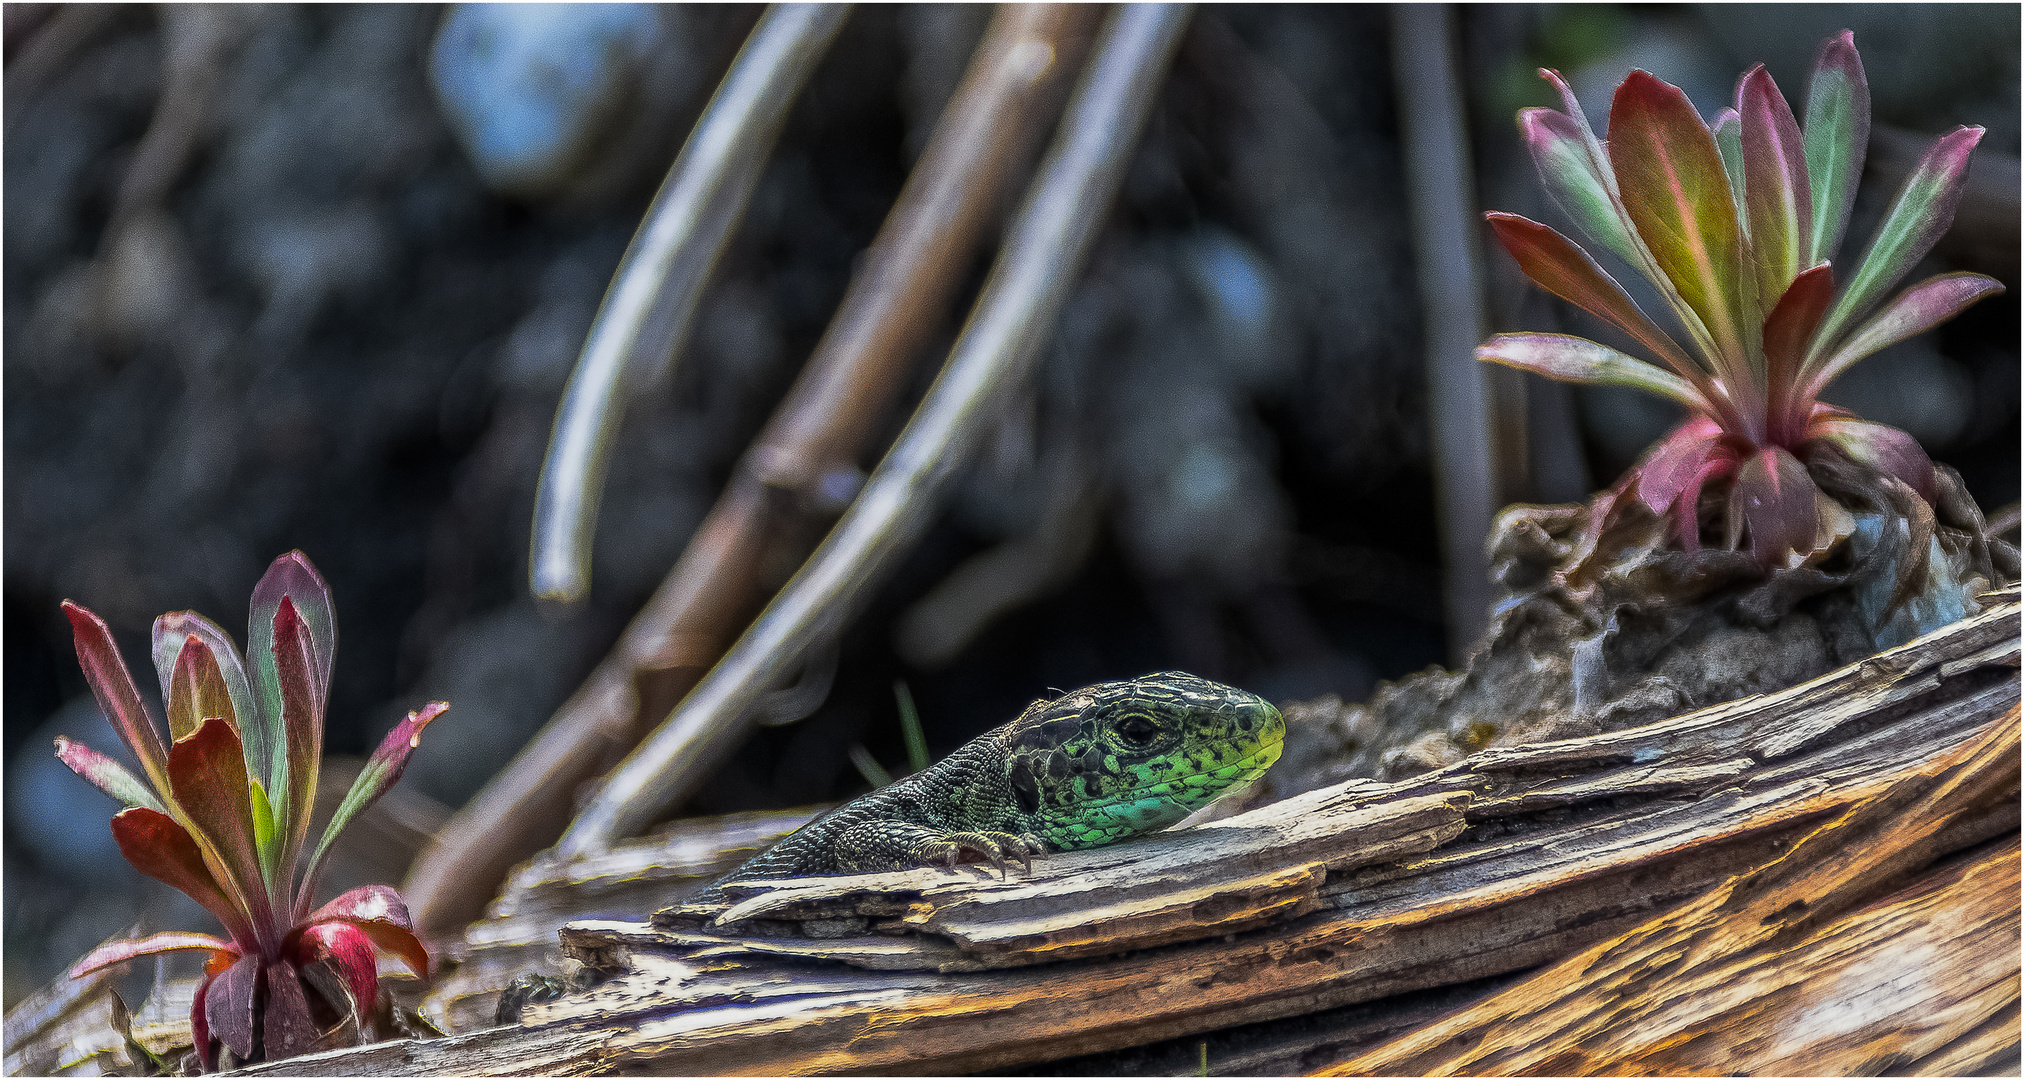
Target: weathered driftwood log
x=1773 y=974
x=72 y=1025
x=1358 y=892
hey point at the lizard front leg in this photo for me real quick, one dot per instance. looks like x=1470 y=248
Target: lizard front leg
x=897 y=845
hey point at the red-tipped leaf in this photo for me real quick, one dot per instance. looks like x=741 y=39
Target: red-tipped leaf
x=1575 y=180
x=207 y=774
x=294 y=577
x=1775 y=497
x=1917 y=219
x=1670 y=478
x=1881 y=447
x=1670 y=178
x=1571 y=359
x=197 y=690
x=117 y=952
x=1787 y=331
x=177 y=627
x=162 y=849
x=399 y=943
x=1686 y=508
x=349 y=952
x=1671 y=466
x=200 y=1027
x=1777 y=197
x=1836 y=138
x=1908 y=314
x=379 y=911
x=1555 y=264
x=117 y=697
x=295 y=661
x=382 y=771
x=1576 y=171
x=106 y=774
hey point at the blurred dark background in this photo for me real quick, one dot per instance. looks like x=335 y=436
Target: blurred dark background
x=283 y=277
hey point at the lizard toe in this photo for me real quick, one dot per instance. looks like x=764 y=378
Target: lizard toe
x=939 y=852
x=994 y=848
x=1029 y=846
x=986 y=846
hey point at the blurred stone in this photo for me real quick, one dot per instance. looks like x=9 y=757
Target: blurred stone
x=55 y=340
x=302 y=259
x=528 y=88
x=144 y=281
x=54 y=164
x=55 y=813
x=1180 y=441
x=1236 y=286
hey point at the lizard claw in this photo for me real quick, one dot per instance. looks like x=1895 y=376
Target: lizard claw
x=985 y=846
x=1034 y=846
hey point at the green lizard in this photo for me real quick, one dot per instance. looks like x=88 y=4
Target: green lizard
x=1101 y=764
x=1104 y=763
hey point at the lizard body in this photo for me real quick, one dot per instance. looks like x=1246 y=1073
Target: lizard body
x=1097 y=765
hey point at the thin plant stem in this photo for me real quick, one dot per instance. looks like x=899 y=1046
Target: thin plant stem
x=640 y=328
x=910 y=726
x=1042 y=256
x=903 y=291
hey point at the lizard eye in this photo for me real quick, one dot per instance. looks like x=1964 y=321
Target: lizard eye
x=1137 y=730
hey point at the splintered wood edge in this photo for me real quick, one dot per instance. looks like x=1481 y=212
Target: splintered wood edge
x=1069 y=914
x=1768 y=918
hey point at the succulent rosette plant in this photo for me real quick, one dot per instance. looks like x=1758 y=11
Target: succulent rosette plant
x=1736 y=223
x=223 y=815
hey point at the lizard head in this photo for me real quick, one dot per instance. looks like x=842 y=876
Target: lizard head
x=1121 y=758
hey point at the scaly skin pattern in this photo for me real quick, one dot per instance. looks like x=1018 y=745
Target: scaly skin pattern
x=1088 y=768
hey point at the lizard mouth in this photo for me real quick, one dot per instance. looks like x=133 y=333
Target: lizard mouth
x=1189 y=791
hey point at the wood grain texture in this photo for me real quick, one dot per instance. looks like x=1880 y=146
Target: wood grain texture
x=1766 y=974
x=72 y=1026
x=517 y=934
x=1363 y=891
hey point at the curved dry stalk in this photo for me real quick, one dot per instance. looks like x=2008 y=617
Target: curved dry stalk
x=1040 y=261
x=646 y=312
x=987 y=134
